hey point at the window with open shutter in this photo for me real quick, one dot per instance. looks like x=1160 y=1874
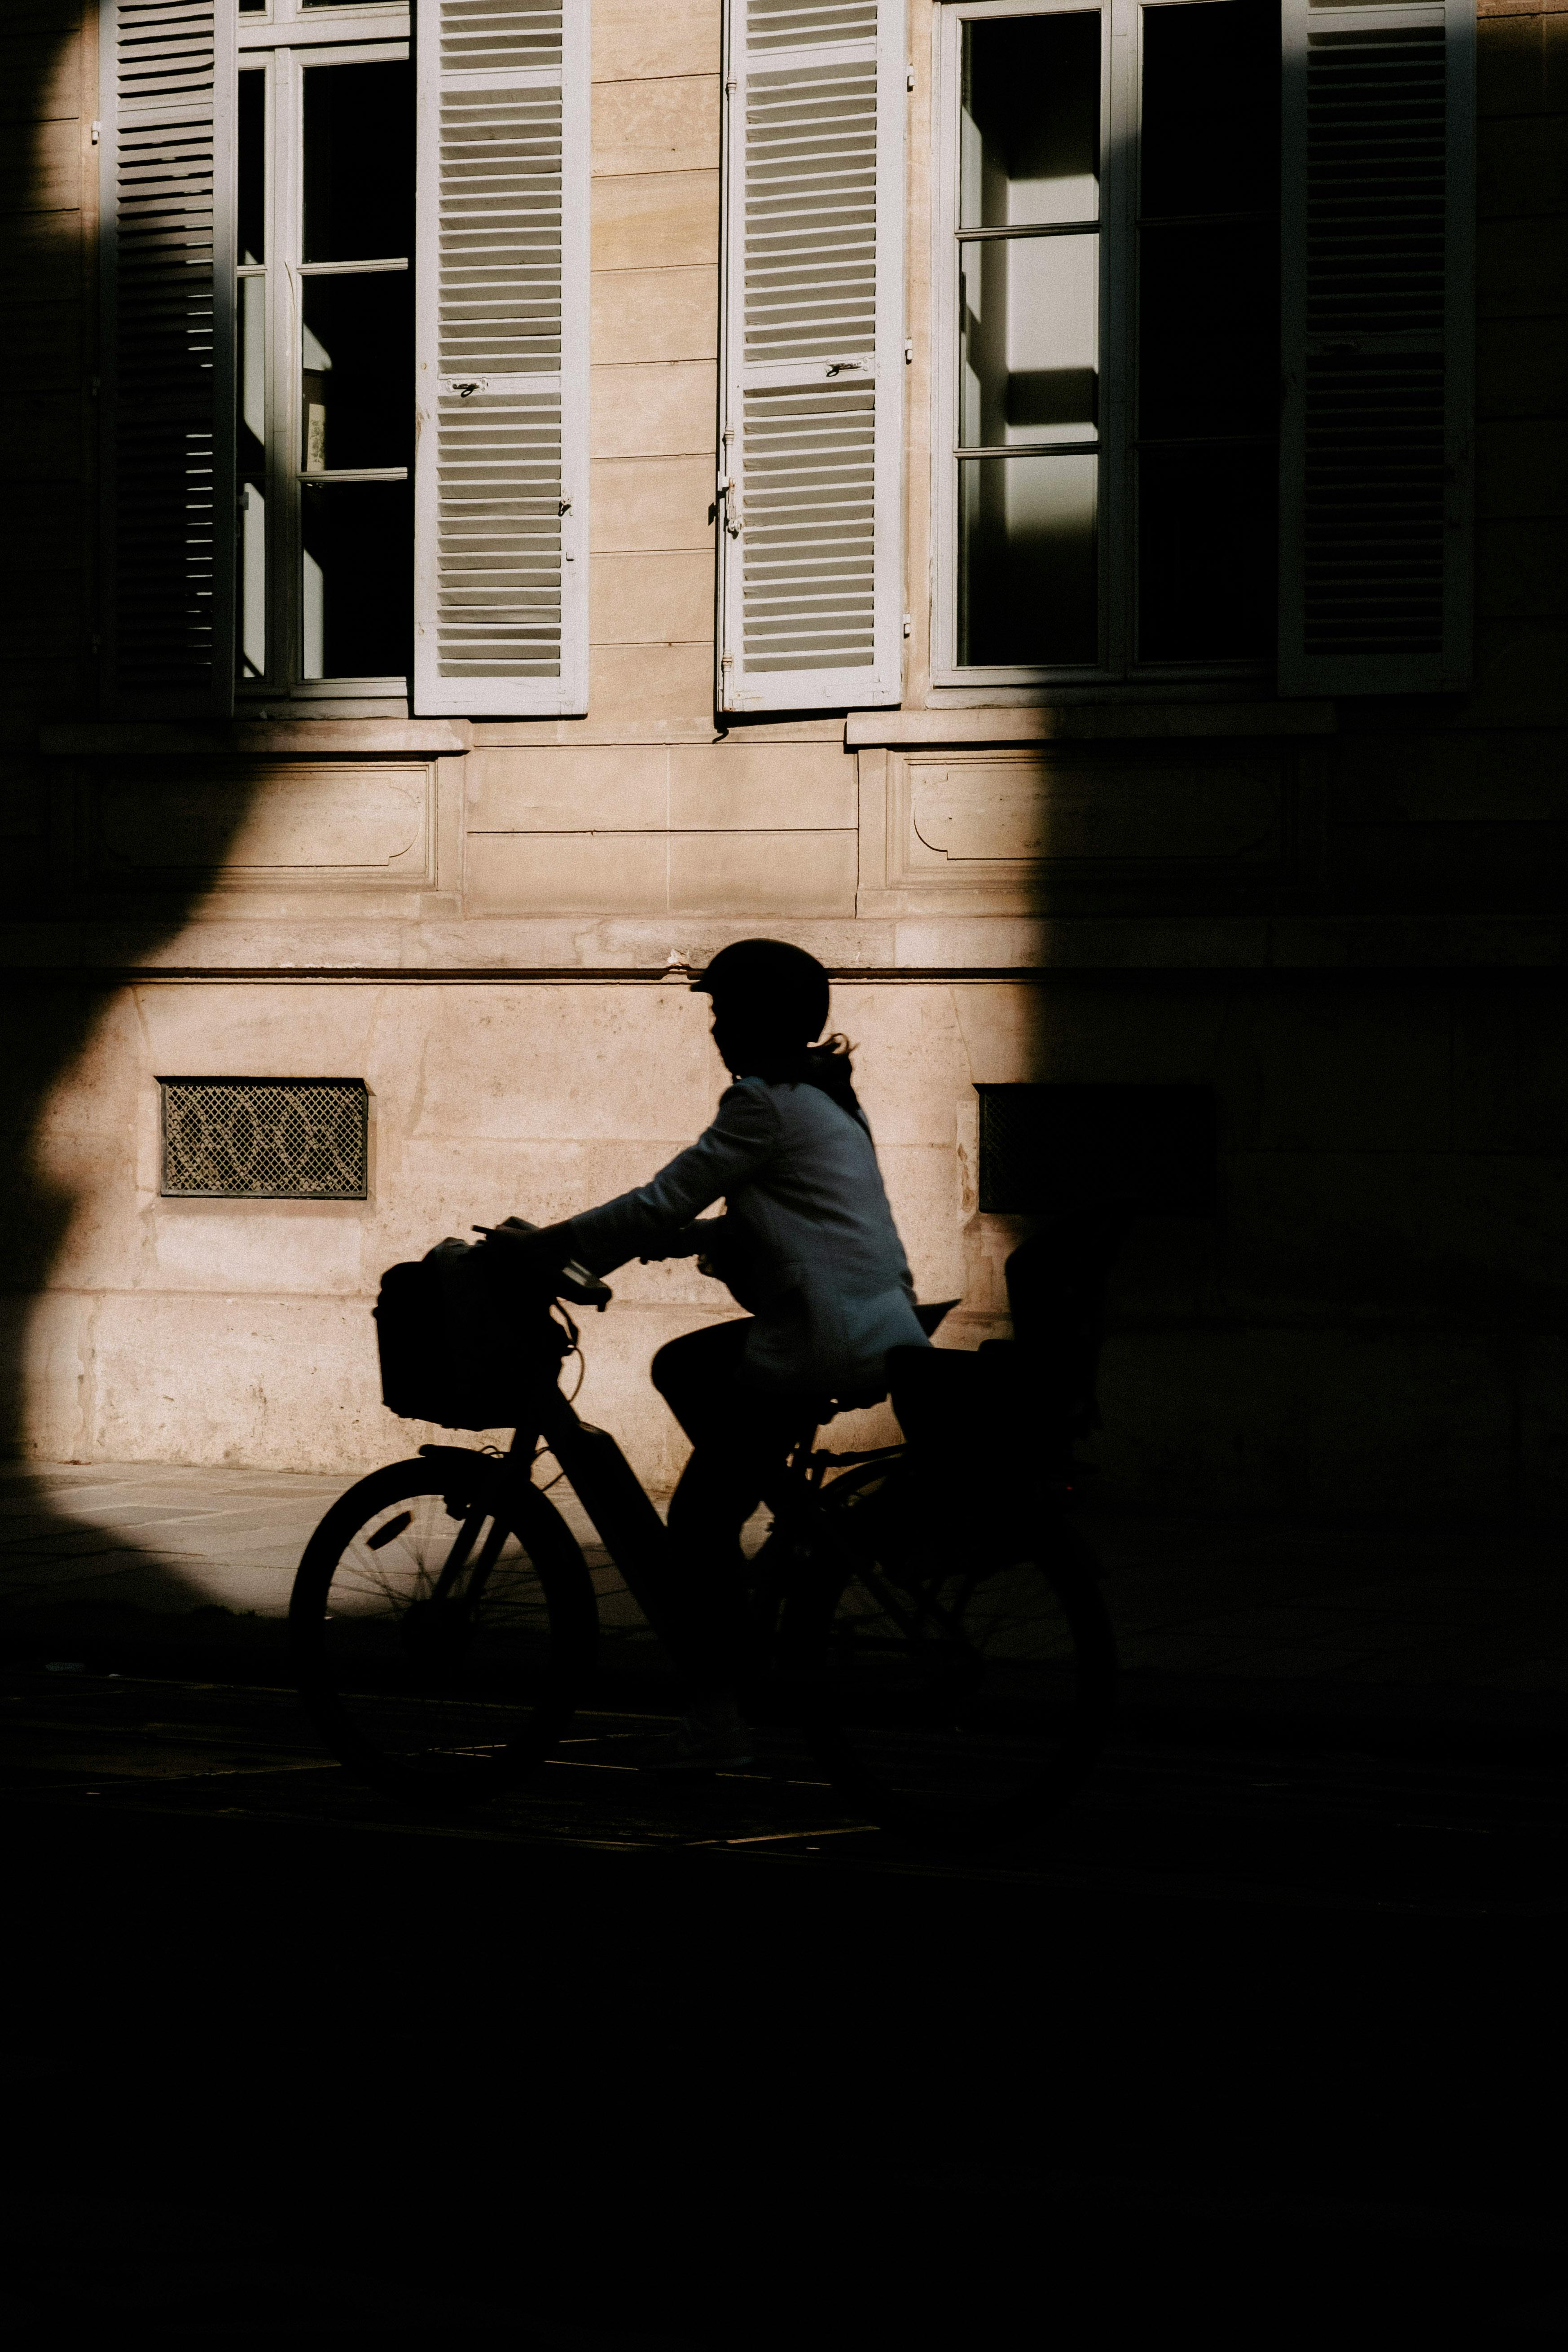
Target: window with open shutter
x=812 y=368
x=501 y=358
x=1378 y=275
x=166 y=196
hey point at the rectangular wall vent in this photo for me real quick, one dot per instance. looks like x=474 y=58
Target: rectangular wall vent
x=266 y=1139
x=1050 y=1150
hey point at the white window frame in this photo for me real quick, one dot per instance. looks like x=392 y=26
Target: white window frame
x=1121 y=105
x=283 y=44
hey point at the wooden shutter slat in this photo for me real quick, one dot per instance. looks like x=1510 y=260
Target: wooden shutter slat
x=501 y=482
x=1375 y=453
x=167 y=282
x=810 y=455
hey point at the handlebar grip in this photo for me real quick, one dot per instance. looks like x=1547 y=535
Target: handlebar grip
x=583 y=1288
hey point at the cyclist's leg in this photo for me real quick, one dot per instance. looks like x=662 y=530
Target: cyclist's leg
x=739 y=1434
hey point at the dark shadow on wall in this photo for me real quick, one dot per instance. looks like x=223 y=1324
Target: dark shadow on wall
x=70 y=929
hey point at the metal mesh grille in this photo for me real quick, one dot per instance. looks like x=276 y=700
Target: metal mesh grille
x=266 y=1139
x=1052 y=1148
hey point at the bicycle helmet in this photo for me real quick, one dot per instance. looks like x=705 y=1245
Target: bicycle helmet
x=770 y=985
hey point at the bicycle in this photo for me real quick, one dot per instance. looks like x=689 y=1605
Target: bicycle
x=444 y=1626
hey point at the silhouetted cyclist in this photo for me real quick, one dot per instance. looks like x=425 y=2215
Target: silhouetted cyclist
x=807 y=1244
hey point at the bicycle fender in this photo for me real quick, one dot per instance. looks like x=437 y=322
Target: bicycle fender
x=465 y=1454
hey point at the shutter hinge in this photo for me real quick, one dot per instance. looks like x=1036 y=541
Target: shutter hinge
x=909 y=623
x=97 y=133
x=909 y=354
x=908 y=76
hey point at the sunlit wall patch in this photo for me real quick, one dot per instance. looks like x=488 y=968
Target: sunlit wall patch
x=265 y=1138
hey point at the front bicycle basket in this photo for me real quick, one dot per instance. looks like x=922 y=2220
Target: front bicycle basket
x=456 y=1348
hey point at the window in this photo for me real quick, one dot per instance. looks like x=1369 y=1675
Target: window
x=345 y=337
x=265 y=1138
x=1109 y=431
x=325 y=365
x=1134 y=406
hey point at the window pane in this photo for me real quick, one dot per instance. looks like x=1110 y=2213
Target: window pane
x=252 y=580
x=251 y=166
x=358 y=580
x=359 y=162
x=1206 y=526
x=1028 y=576
x=1208 y=330
x=1211 y=109
x=1029 y=333
x=357 y=374
x=1029 y=131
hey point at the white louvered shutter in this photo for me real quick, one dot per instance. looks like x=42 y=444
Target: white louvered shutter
x=167 y=251
x=501 y=358
x=1378 y=263
x=810 y=496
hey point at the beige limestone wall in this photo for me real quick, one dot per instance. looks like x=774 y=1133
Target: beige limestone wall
x=239 y=1331
x=1375 y=1320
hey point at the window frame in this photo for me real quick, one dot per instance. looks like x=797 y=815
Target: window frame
x=284 y=42
x=1122 y=25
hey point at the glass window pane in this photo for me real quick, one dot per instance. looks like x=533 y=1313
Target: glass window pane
x=252 y=580
x=357 y=372
x=357 y=586
x=359 y=162
x=1206 y=526
x=1211 y=109
x=1029 y=131
x=251 y=166
x=1029 y=333
x=251 y=457
x=252 y=376
x=1208 y=330
x=1028 y=573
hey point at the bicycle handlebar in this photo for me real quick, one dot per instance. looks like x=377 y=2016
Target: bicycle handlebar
x=574 y=1282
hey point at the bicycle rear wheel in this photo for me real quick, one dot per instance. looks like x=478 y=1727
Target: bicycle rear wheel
x=959 y=1676
x=442 y=1627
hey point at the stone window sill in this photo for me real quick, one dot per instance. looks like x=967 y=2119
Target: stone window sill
x=314 y=738
x=1087 y=722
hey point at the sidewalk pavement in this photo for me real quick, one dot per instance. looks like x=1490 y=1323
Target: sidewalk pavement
x=1349 y=1629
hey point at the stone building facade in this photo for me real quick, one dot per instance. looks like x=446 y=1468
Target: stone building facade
x=1333 y=915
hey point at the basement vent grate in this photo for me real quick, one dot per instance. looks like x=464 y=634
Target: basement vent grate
x=266 y=1139
x=1049 y=1150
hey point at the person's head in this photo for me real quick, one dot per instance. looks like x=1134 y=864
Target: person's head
x=770 y=1002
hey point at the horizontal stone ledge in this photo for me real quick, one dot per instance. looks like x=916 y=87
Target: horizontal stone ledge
x=1088 y=723
x=257 y=738
x=1166 y=975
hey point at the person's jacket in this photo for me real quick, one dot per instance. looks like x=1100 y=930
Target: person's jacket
x=808 y=1239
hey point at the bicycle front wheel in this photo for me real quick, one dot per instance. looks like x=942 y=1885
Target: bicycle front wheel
x=442 y=1627
x=958 y=1679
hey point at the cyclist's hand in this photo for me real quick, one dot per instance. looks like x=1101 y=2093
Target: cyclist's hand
x=531 y=1256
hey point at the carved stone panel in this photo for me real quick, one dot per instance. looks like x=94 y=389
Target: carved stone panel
x=1006 y=831
x=261 y=827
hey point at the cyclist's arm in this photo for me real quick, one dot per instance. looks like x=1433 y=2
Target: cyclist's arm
x=733 y=1152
